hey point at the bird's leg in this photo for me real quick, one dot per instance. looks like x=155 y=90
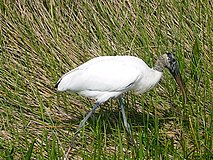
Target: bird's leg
x=79 y=128
x=124 y=116
x=127 y=126
x=87 y=117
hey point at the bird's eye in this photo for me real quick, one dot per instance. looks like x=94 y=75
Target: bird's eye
x=173 y=60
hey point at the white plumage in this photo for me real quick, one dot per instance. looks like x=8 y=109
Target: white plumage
x=105 y=77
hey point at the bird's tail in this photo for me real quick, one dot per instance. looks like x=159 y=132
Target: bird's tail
x=56 y=86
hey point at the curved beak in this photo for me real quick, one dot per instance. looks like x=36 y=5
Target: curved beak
x=176 y=74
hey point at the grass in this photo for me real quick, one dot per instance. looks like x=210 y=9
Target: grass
x=41 y=40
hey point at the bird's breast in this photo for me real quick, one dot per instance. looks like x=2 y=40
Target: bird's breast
x=148 y=81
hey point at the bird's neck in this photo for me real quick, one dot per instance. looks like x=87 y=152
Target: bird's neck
x=159 y=65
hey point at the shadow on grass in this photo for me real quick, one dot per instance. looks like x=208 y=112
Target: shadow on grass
x=112 y=117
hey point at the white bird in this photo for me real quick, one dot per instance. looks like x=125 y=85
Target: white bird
x=106 y=77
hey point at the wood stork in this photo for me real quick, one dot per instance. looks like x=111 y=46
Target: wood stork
x=106 y=77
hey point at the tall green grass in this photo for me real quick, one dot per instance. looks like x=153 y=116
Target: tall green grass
x=41 y=40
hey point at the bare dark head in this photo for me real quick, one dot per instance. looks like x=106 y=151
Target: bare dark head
x=172 y=65
x=169 y=61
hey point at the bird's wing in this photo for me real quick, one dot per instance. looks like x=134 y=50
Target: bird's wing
x=103 y=74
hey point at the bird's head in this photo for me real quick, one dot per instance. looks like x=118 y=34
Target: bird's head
x=171 y=63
